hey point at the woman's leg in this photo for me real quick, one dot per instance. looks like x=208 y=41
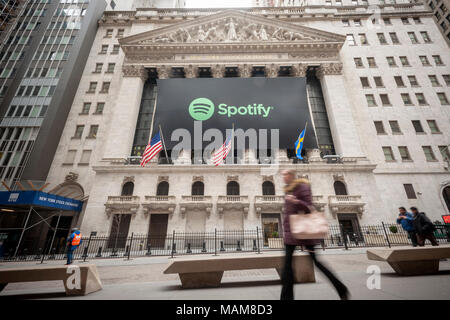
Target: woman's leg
x=338 y=285
x=287 y=277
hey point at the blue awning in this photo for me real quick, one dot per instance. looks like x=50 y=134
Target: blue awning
x=39 y=199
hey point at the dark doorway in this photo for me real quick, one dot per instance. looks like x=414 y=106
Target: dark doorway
x=119 y=230
x=271 y=224
x=158 y=230
x=339 y=188
x=350 y=226
x=446 y=195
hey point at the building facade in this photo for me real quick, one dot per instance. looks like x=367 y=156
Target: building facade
x=441 y=15
x=378 y=94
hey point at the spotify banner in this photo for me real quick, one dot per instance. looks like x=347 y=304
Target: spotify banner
x=248 y=103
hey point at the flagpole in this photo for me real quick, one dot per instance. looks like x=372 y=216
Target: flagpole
x=164 y=144
x=232 y=142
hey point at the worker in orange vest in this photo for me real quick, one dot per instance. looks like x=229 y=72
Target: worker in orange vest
x=72 y=243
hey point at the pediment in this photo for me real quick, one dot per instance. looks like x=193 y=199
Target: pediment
x=231 y=27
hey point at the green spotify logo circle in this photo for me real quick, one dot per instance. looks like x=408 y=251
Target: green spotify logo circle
x=201 y=109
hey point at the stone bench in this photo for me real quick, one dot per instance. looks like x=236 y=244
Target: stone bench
x=77 y=279
x=203 y=272
x=407 y=261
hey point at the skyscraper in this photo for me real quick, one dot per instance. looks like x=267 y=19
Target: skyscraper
x=41 y=62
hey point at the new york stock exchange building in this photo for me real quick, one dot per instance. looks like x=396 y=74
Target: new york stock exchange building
x=374 y=97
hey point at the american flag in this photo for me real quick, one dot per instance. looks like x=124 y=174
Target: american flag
x=152 y=149
x=222 y=153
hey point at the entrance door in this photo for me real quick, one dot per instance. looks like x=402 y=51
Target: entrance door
x=119 y=230
x=63 y=232
x=271 y=223
x=158 y=230
x=350 y=226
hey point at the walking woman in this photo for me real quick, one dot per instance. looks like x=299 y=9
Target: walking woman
x=299 y=198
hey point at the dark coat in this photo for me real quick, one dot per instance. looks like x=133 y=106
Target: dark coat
x=422 y=224
x=301 y=189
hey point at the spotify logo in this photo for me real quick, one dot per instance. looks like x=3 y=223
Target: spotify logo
x=201 y=109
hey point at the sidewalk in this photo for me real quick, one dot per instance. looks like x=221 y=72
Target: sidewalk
x=142 y=278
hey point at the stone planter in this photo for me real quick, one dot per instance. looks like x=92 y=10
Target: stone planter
x=276 y=243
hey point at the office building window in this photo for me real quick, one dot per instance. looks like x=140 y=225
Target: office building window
x=379 y=127
x=425 y=36
x=437 y=60
x=445 y=153
x=92 y=87
x=413 y=81
x=78 y=132
x=394 y=38
x=109 y=33
x=410 y=193
x=446 y=79
x=433 y=126
x=404 y=61
x=358 y=62
x=406 y=99
x=442 y=98
x=365 y=82
x=425 y=61
x=371 y=100
x=381 y=38
x=371 y=62
x=116 y=49
x=399 y=81
x=105 y=87
x=385 y=99
x=404 y=153
x=421 y=99
x=86 y=107
x=70 y=157
x=395 y=128
x=98 y=68
x=100 y=107
x=391 y=61
x=104 y=49
x=429 y=154
x=120 y=33
x=388 y=154
x=378 y=82
x=363 y=38
x=405 y=20
x=93 y=132
x=111 y=67
x=417 y=126
x=434 y=81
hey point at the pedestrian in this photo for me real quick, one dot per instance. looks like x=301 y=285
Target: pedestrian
x=299 y=198
x=406 y=219
x=72 y=243
x=424 y=228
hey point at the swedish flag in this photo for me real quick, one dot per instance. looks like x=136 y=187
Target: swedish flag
x=299 y=144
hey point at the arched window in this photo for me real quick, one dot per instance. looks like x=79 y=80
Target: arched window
x=162 y=189
x=232 y=188
x=268 y=188
x=127 y=189
x=198 y=188
x=340 y=189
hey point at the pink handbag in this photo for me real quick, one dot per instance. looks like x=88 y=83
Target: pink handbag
x=313 y=225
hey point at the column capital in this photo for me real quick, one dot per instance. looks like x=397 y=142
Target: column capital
x=299 y=70
x=133 y=71
x=329 y=69
x=163 y=72
x=191 y=71
x=218 y=71
x=245 y=70
x=272 y=70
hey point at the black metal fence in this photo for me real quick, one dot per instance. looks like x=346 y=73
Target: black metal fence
x=178 y=243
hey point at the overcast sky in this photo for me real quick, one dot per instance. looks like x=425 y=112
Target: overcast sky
x=218 y=3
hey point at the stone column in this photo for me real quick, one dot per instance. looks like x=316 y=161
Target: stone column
x=245 y=71
x=339 y=109
x=191 y=71
x=272 y=70
x=299 y=70
x=125 y=113
x=218 y=71
x=163 y=72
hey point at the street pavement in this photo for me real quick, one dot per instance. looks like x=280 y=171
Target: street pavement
x=143 y=278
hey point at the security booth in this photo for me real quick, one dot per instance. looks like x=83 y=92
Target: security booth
x=35 y=222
